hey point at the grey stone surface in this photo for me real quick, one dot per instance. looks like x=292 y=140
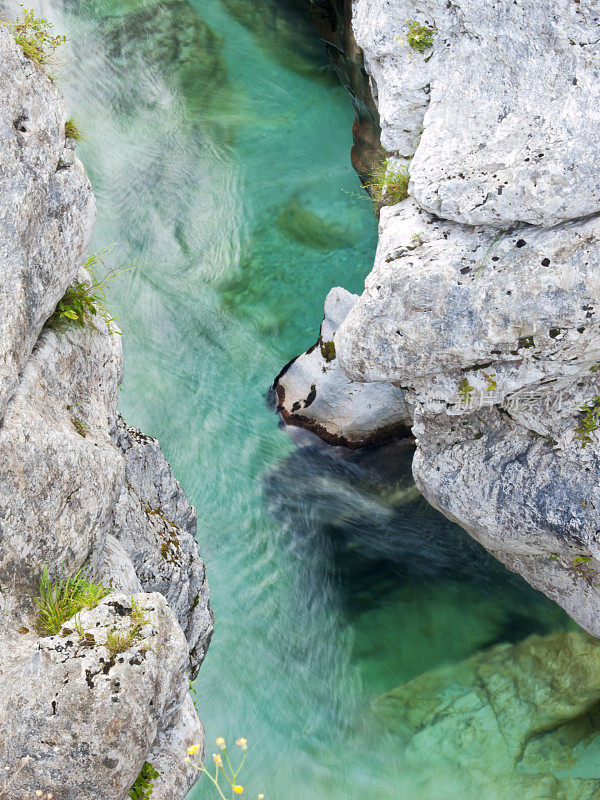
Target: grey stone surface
x=483 y=299
x=445 y=301
x=47 y=209
x=156 y=525
x=313 y=392
x=509 y=129
x=61 y=472
x=168 y=753
x=88 y=717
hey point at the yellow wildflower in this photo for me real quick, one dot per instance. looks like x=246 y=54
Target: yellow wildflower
x=193 y=749
x=261 y=797
x=243 y=743
x=238 y=789
x=221 y=742
x=217 y=759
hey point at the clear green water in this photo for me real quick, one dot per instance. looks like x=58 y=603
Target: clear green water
x=226 y=175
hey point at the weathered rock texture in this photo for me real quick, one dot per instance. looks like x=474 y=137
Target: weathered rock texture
x=313 y=392
x=483 y=302
x=80 y=490
x=47 y=212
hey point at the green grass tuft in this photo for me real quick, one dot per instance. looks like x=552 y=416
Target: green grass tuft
x=388 y=184
x=35 y=37
x=418 y=36
x=118 y=641
x=61 y=599
x=85 y=300
x=72 y=130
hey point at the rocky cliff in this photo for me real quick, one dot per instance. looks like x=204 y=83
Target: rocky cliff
x=482 y=307
x=79 y=717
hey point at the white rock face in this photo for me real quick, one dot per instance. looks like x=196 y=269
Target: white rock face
x=87 y=716
x=444 y=301
x=313 y=392
x=47 y=209
x=80 y=490
x=482 y=305
x=61 y=472
x=510 y=131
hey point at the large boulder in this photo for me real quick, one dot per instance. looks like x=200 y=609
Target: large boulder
x=314 y=393
x=156 y=526
x=85 y=714
x=61 y=472
x=506 y=101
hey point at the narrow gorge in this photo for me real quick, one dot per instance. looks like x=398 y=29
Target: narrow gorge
x=403 y=565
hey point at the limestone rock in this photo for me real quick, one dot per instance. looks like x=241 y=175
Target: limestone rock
x=87 y=716
x=446 y=301
x=509 y=129
x=156 y=525
x=112 y=567
x=504 y=723
x=313 y=392
x=168 y=752
x=61 y=472
x=47 y=211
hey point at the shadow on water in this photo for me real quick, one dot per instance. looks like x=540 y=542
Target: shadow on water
x=379 y=539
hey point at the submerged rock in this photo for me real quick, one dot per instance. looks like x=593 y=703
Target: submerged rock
x=283 y=32
x=311 y=230
x=313 y=392
x=512 y=721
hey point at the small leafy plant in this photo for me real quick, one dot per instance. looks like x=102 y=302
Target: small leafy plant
x=144 y=783
x=418 y=36
x=86 y=299
x=465 y=391
x=72 y=130
x=118 y=641
x=63 y=598
x=589 y=421
x=388 y=184
x=35 y=37
x=223 y=768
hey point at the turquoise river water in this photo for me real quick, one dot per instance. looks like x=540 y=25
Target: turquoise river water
x=217 y=141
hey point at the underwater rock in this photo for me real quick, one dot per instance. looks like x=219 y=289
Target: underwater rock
x=47 y=213
x=167 y=33
x=505 y=723
x=156 y=525
x=283 y=32
x=311 y=230
x=313 y=392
